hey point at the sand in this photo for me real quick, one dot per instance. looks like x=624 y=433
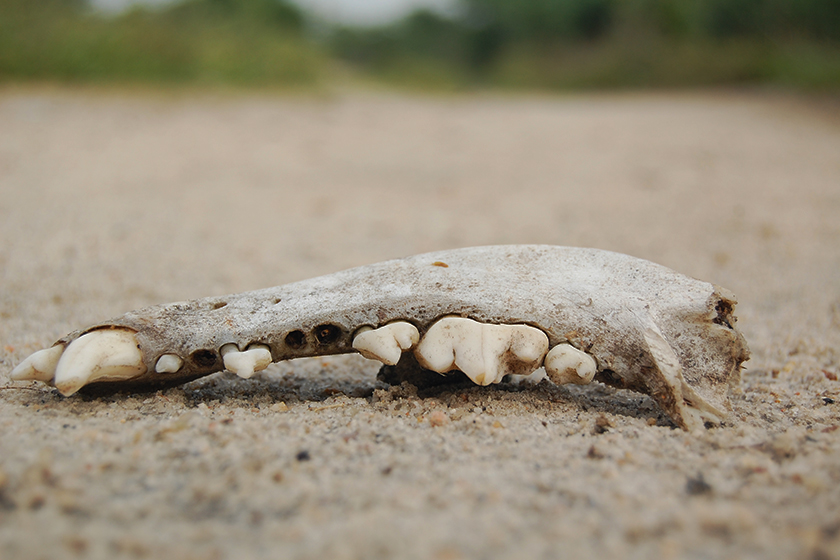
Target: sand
x=113 y=201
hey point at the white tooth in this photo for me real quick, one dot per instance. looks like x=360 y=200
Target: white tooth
x=527 y=380
x=169 y=363
x=40 y=366
x=244 y=364
x=484 y=352
x=566 y=364
x=386 y=343
x=112 y=354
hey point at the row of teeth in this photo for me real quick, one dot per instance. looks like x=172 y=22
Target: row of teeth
x=486 y=353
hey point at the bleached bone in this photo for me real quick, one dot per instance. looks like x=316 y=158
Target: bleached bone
x=112 y=354
x=648 y=328
x=386 y=343
x=40 y=366
x=566 y=364
x=244 y=364
x=484 y=352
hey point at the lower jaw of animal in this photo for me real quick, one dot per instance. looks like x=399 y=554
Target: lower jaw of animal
x=489 y=312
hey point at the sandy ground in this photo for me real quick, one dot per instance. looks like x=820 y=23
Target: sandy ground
x=116 y=201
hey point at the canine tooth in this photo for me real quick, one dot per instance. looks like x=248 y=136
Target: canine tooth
x=40 y=366
x=566 y=364
x=387 y=343
x=108 y=353
x=244 y=364
x=484 y=352
x=169 y=363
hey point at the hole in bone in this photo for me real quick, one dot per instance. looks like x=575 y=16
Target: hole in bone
x=219 y=304
x=169 y=363
x=107 y=354
x=296 y=339
x=484 y=352
x=724 y=310
x=387 y=343
x=204 y=358
x=566 y=364
x=327 y=334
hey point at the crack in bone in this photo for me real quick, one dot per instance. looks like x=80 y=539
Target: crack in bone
x=484 y=352
x=112 y=354
x=386 y=343
x=40 y=366
x=169 y=363
x=245 y=364
x=566 y=364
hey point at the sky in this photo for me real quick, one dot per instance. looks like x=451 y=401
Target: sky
x=351 y=12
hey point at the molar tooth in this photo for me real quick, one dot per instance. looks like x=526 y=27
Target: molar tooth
x=484 y=352
x=40 y=366
x=169 y=363
x=244 y=364
x=566 y=364
x=112 y=354
x=387 y=343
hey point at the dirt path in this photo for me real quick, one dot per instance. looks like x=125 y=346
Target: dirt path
x=110 y=203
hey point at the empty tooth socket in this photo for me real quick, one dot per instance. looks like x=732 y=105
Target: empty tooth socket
x=204 y=358
x=327 y=334
x=295 y=340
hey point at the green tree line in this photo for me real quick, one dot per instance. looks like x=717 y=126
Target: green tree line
x=496 y=43
x=259 y=42
x=608 y=43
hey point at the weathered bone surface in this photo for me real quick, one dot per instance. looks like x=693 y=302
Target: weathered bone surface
x=643 y=326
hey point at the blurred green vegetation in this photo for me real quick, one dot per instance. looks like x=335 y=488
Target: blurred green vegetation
x=251 y=42
x=560 y=44
x=554 y=44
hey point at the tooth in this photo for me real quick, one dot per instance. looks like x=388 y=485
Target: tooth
x=387 y=343
x=566 y=364
x=169 y=363
x=244 y=364
x=40 y=366
x=112 y=354
x=484 y=352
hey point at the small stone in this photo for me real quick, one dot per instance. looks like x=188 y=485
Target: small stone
x=438 y=418
x=697 y=486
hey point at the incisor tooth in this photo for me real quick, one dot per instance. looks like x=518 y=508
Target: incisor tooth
x=566 y=364
x=387 y=343
x=484 y=352
x=169 y=363
x=244 y=364
x=108 y=353
x=40 y=366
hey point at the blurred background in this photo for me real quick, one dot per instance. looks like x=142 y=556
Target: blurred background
x=164 y=151
x=436 y=44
